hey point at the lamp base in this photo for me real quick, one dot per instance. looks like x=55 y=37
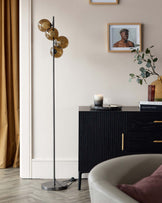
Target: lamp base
x=49 y=186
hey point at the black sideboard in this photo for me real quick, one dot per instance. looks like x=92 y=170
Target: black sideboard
x=107 y=134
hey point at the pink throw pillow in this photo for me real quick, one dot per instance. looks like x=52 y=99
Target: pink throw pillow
x=147 y=190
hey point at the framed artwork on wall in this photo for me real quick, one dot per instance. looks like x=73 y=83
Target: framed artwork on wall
x=122 y=37
x=103 y=1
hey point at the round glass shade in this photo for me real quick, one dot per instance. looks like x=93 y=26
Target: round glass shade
x=63 y=41
x=58 y=51
x=44 y=25
x=57 y=43
x=51 y=33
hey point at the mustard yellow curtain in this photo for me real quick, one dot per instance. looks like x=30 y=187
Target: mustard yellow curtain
x=9 y=83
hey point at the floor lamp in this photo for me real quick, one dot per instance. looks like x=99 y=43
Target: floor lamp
x=59 y=43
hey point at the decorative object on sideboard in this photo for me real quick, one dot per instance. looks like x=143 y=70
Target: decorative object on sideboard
x=123 y=36
x=158 y=88
x=98 y=100
x=98 y=104
x=59 y=43
x=151 y=92
x=151 y=106
x=147 y=62
x=97 y=2
x=110 y=107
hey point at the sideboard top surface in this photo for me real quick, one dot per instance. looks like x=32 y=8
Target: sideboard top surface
x=124 y=108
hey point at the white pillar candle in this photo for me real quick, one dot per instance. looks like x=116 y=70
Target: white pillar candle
x=98 y=97
x=98 y=100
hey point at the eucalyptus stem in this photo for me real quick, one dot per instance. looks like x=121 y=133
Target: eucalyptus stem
x=152 y=67
x=147 y=61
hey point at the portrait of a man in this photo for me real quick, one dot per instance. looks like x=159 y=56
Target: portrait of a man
x=124 y=42
x=123 y=37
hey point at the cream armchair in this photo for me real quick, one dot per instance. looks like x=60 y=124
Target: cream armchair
x=104 y=177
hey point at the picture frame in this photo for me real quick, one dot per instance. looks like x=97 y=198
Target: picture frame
x=123 y=37
x=103 y=2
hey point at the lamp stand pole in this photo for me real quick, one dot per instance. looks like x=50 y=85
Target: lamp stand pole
x=54 y=185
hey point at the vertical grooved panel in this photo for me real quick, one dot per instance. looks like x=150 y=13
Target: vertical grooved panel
x=99 y=137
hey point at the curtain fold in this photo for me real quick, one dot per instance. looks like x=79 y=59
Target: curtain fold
x=9 y=83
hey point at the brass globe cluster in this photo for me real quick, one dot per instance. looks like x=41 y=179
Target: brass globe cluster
x=60 y=42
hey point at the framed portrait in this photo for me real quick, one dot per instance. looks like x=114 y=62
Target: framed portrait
x=103 y=1
x=123 y=37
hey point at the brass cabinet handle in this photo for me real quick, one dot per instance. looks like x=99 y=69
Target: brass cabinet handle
x=157 y=121
x=157 y=141
x=122 y=142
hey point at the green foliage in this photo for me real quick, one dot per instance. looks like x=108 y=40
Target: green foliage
x=148 y=65
x=142 y=69
x=131 y=75
x=155 y=59
x=140 y=81
x=147 y=51
x=147 y=74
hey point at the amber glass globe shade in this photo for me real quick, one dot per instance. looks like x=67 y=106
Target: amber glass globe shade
x=44 y=25
x=62 y=41
x=51 y=33
x=58 y=51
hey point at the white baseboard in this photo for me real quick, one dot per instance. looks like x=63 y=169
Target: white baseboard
x=64 y=169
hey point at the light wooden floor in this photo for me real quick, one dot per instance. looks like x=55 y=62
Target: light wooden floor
x=13 y=189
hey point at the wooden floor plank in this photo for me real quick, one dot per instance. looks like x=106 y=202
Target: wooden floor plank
x=13 y=189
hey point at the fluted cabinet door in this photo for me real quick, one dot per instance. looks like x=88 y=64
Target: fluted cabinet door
x=100 y=137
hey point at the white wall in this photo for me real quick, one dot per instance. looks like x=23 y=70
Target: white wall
x=85 y=69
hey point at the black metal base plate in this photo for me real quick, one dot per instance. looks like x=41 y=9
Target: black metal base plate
x=49 y=186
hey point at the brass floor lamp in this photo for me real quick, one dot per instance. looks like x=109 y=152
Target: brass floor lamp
x=59 y=43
